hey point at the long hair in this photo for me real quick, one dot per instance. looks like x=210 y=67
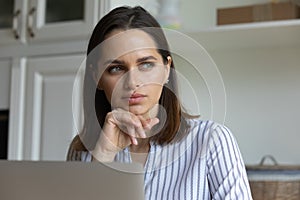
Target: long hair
x=95 y=104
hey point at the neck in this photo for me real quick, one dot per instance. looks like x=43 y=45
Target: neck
x=139 y=153
x=142 y=147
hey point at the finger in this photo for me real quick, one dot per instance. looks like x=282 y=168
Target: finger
x=149 y=123
x=148 y=126
x=127 y=128
x=133 y=140
x=153 y=122
x=129 y=123
x=125 y=118
x=140 y=131
x=136 y=130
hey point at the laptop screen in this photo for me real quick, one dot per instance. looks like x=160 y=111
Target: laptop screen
x=54 y=180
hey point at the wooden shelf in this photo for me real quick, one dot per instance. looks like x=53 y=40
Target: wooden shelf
x=254 y=35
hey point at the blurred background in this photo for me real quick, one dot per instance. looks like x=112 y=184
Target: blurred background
x=255 y=45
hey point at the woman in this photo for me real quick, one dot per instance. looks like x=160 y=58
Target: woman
x=132 y=114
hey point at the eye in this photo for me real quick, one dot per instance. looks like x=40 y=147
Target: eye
x=146 y=66
x=116 y=69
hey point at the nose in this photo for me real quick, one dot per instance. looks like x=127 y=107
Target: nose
x=132 y=80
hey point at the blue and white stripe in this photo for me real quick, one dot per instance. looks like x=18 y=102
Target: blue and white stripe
x=205 y=164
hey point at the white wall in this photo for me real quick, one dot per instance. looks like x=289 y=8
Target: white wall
x=263 y=91
x=263 y=101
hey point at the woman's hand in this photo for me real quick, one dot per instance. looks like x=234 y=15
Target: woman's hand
x=121 y=129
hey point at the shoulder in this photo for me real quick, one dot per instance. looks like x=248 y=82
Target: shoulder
x=221 y=135
x=218 y=144
x=208 y=128
x=212 y=135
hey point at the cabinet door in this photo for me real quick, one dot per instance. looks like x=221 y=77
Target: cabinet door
x=12 y=15
x=61 y=19
x=43 y=126
x=5 y=71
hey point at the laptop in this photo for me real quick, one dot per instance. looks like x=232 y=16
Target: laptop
x=57 y=180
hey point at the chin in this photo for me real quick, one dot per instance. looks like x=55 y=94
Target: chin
x=137 y=110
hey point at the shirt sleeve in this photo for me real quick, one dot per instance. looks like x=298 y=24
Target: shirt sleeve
x=226 y=172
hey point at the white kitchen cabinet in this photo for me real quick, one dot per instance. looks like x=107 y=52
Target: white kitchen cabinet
x=27 y=21
x=5 y=72
x=42 y=46
x=57 y=19
x=42 y=121
x=10 y=17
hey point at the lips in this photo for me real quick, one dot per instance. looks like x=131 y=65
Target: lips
x=135 y=98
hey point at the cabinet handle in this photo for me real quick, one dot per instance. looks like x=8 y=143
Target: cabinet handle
x=16 y=24
x=30 y=22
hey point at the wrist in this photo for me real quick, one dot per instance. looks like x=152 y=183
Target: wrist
x=102 y=155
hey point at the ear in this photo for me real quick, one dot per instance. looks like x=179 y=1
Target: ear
x=95 y=78
x=168 y=68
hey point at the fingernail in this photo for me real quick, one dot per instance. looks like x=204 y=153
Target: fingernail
x=144 y=134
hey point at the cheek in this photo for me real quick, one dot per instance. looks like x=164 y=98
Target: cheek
x=155 y=92
x=157 y=76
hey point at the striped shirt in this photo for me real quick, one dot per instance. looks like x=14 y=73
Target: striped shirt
x=205 y=164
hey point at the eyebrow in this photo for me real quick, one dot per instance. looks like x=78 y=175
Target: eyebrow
x=111 y=61
x=139 y=60
x=145 y=59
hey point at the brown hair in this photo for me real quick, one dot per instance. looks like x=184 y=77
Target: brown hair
x=95 y=104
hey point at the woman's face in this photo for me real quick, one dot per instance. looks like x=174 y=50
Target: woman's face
x=132 y=71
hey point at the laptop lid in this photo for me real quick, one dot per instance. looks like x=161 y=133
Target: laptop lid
x=55 y=180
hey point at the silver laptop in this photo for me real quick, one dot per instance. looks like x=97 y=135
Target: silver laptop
x=28 y=180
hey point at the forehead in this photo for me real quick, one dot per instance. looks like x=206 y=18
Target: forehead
x=120 y=43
